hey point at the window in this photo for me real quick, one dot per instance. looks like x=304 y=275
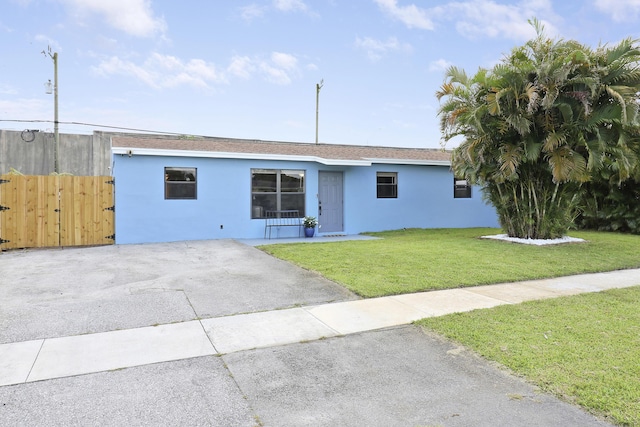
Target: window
x=387 y=184
x=180 y=183
x=461 y=188
x=277 y=190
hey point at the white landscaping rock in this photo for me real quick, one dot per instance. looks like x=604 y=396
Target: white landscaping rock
x=537 y=242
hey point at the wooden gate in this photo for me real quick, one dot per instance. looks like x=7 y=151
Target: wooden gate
x=45 y=211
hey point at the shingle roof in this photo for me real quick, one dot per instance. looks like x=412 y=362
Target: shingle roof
x=287 y=149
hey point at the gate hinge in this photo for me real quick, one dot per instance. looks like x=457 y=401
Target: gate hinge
x=4 y=208
x=110 y=208
x=112 y=237
x=4 y=241
x=5 y=181
x=112 y=182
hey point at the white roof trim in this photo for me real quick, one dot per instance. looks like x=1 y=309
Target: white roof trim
x=227 y=155
x=262 y=156
x=411 y=162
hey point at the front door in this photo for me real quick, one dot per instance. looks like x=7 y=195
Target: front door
x=330 y=202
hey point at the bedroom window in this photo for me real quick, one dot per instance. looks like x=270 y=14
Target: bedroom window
x=277 y=190
x=461 y=188
x=387 y=185
x=180 y=183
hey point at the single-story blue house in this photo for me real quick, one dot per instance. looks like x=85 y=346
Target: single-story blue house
x=213 y=188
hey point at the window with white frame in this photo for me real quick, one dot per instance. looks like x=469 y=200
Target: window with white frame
x=180 y=183
x=461 y=188
x=387 y=185
x=277 y=190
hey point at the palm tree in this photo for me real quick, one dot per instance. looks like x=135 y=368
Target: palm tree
x=535 y=127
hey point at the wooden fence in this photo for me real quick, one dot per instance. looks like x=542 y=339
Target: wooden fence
x=46 y=211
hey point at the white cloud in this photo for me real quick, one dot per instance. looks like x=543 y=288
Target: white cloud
x=274 y=74
x=280 y=69
x=5 y=28
x=289 y=5
x=7 y=90
x=164 y=71
x=115 y=65
x=619 y=10
x=134 y=17
x=252 y=12
x=284 y=60
x=439 y=65
x=507 y=21
x=241 y=66
x=376 y=49
x=27 y=109
x=412 y=16
x=45 y=40
x=470 y=17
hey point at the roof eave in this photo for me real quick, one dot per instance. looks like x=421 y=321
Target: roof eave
x=242 y=156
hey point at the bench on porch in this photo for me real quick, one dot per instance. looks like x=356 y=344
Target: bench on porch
x=288 y=218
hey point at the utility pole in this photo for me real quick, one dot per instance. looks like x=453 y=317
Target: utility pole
x=56 y=148
x=318 y=87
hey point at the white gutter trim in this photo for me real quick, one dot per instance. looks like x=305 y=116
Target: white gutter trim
x=411 y=162
x=227 y=155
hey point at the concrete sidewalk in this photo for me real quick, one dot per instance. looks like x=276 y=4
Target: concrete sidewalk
x=67 y=356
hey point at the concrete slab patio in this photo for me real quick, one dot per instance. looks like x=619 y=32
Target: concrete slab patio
x=297 y=349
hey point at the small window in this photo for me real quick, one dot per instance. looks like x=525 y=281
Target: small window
x=387 y=184
x=180 y=183
x=461 y=188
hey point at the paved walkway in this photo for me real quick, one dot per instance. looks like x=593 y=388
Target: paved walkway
x=35 y=360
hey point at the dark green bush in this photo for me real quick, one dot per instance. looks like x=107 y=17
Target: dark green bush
x=610 y=207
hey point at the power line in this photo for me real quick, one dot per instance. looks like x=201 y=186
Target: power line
x=93 y=125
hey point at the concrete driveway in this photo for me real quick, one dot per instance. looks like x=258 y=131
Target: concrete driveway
x=398 y=376
x=72 y=291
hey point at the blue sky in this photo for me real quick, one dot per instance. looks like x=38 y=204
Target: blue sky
x=249 y=69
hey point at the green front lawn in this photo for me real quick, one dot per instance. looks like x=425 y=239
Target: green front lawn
x=584 y=349
x=415 y=260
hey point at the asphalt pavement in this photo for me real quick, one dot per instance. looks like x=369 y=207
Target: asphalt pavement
x=220 y=333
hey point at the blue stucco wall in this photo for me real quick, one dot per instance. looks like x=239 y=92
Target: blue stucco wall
x=425 y=200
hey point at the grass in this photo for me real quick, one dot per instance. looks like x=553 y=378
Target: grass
x=416 y=260
x=584 y=349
